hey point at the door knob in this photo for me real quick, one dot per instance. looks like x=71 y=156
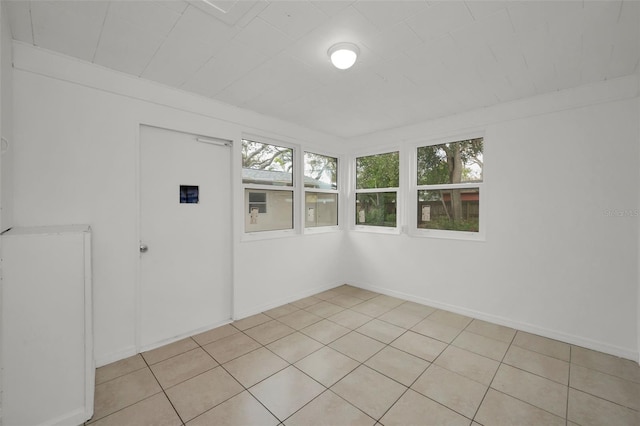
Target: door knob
x=143 y=248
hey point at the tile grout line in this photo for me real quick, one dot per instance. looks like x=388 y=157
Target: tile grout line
x=494 y=376
x=164 y=391
x=245 y=389
x=359 y=364
x=566 y=416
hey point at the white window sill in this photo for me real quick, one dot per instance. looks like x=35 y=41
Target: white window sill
x=448 y=235
x=267 y=235
x=377 y=229
x=321 y=230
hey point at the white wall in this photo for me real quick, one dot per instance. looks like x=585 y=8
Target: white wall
x=76 y=161
x=554 y=262
x=565 y=271
x=6 y=131
x=6 y=125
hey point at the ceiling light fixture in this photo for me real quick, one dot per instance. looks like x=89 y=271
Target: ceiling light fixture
x=343 y=55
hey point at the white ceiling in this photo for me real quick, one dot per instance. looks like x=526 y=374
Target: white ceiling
x=419 y=59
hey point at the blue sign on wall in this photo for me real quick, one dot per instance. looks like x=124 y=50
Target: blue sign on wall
x=189 y=194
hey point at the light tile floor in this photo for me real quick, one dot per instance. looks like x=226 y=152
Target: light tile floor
x=349 y=356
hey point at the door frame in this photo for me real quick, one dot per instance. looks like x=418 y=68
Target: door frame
x=138 y=227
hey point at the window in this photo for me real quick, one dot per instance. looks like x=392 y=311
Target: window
x=321 y=190
x=449 y=182
x=377 y=182
x=268 y=181
x=258 y=200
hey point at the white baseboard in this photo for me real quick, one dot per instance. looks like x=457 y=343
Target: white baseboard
x=181 y=336
x=131 y=350
x=115 y=356
x=76 y=417
x=529 y=328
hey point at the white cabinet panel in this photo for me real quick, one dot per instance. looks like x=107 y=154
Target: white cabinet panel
x=48 y=366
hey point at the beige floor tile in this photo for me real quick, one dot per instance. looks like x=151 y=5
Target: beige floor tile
x=371 y=308
x=543 y=345
x=181 y=367
x=361 y=293
x=357 y=346
x=536 y=390
x=536 y=363
x=452 y=390
x=381 y=331
x=416 y=309
x=327 y=366
x=252 y=321
x=415 y=409
x=300 y=319
x=242 y=409
x=119 y=368
x=167 y=351
x=468 y=364
x=325 y=331
x=280 y=311
x=492 y=331
x=350 y=319
x=503 y=410
x=344 y=288
x=345 y=301
x=286 y=392
x=255 y=366
x=231 y=347
x=605 y=363
x=398 y=365
x=419 y=345
x=325 y=309
x=124 y=391
x=215 y=334
x=153 y=411
x=306 y=302
x=481 y=345
x=588 y=410
x=327 y=294
x=269 y=332
x=450 y=319
x=329 y=409
x=201 y=393
x=390 y=301
x=294 y=347
x=369 y=390
x=401 y=318
x=436 y=330
x=611 y=388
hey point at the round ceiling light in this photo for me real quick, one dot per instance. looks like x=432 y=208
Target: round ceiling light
x=343 y=55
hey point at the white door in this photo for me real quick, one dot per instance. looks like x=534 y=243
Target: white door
x=185 y=229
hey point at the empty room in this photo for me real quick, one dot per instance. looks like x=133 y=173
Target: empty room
x=319 y=212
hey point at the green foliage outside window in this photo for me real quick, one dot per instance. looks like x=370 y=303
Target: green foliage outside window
x=452 y=209
x=378 y=171
x=376 y=209
x=372 y=172
x=453 y=162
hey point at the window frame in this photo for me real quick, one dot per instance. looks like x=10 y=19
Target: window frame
x=296 y=177
x=337 y=192
x=398 y=191
x=413 y=189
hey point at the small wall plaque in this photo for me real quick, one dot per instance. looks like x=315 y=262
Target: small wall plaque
x=189 y=194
